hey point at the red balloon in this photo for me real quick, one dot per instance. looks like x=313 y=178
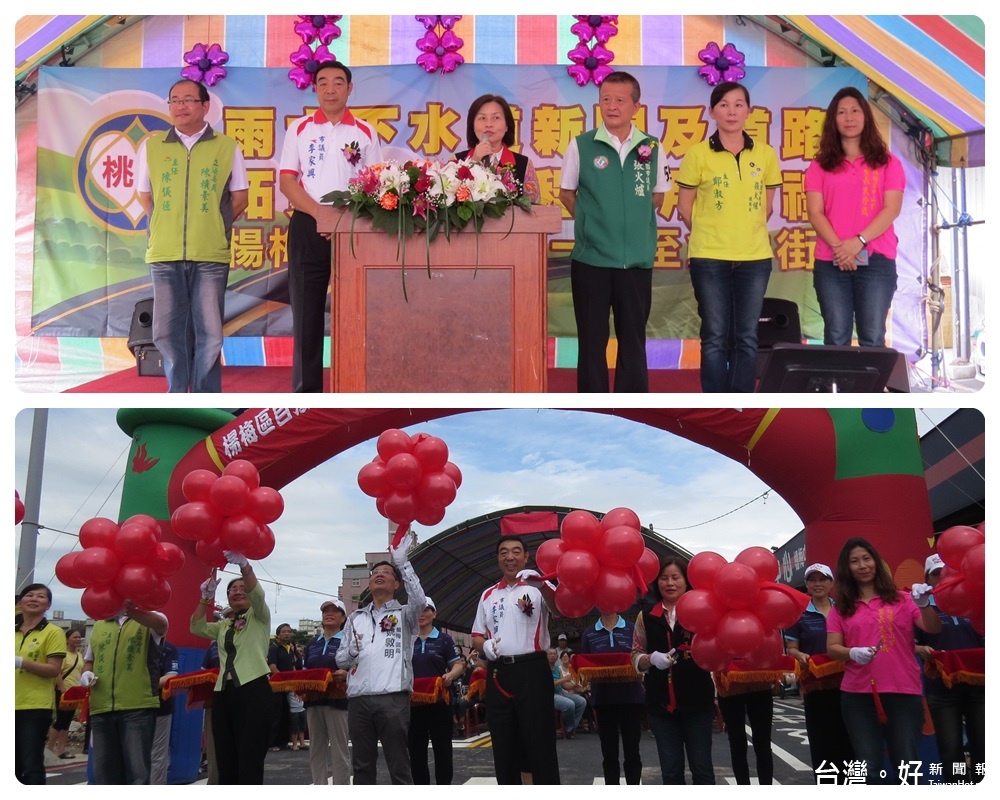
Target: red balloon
x=403 y=472
x=380 y=506
x=739 y=632
x=98 y=532
x=620 y=547
x=429 y=514
x=578 y=570
x=702 y=569
x=67 y=571
x=101 y=602
x=264 y=545
x=391 y=442
x=239 y=532
x=196 y=520
x=229 y=495
x=134 y=580
x=736 y=585
x=436 y=489
x=613 y=591
x=372 y=479
x=768 y=652
x=265 y=504
x=157 y=596
x=135 y=542
x=760 y=560
x=145 y=521
x=708 y=653
x=776 y=609
x=699 y=611
x=209 y=552
x=18 y=508
x=953 y=544
x=168 y=560
x=953 y=596
x=97 y=566
x=649 y=565
x=581 y=531
x=401 y=508
x=431 y=451
x=974 y=568
x=978 y=620
x=548 y=554
x=573 y=604
x=245 y=471
x=197 y=484
x=620 y=516
x=454 y=473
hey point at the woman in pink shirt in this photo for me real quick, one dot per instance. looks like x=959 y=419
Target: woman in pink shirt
x=871 y=629
x=854 y=191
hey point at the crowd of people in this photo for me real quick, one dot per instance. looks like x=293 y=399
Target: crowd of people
x=397 y=682
x=613 y=181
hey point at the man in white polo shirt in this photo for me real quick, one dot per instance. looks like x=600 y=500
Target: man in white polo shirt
x=512 y=632
x=321 y=153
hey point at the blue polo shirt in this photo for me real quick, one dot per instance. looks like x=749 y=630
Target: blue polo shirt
x=321 y=652
x=433 y=656
x=169 y=663
x=956 y=633
x=618 y=639
x=809 y=631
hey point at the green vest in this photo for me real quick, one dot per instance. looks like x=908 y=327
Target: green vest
x=615 y=222
x=192 y=215
x=126 y=663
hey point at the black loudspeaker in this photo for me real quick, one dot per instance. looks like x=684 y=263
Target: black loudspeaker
x=826 y=368
x=779 y=322
x=148 y=360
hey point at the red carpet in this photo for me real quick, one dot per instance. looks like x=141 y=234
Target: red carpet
x=279 y=379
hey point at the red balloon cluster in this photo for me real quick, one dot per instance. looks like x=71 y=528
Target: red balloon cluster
x=961 y=591
x=411 y=478
x=598 y=563
x=18 y=508
x=119 y=563
x=736 y=610
x=231 y=511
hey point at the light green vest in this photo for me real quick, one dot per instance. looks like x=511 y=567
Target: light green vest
x=615 y=222
x=192 y=216
x=126 y=663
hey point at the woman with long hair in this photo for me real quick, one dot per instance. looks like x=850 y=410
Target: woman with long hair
x=680 y=696
x=854 y=192
x=727 y=185
x=871 y=630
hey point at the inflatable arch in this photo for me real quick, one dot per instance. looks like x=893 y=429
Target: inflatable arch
x=845 y=472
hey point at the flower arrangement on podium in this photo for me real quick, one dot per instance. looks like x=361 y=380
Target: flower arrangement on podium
x=429 y=197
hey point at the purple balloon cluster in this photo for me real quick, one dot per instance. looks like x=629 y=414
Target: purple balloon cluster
x=721 y=65
x=439 y=50
x=312 y=28
x=205 y=64
x=590 y=61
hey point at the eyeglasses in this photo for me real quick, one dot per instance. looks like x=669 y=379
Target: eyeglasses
x=185 y=101
x=387 y=572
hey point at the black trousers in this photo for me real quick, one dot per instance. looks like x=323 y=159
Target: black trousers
x=309 y=256
x=626 y=293
x=31 y=728
x=433 y=723
x=241 y=728
x=758 y=709
x=828 y=739
x=625 y=721
x=520 y=711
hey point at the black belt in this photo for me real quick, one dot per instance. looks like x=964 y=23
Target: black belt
x=501 y=660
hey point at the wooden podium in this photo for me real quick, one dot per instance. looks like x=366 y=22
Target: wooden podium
x=462 y=330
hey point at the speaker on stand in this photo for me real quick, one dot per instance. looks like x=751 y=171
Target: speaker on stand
x=148 y=360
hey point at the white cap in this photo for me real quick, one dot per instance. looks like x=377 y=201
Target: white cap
x=933 y=563
x=428 y=603
x=335 y=603
x=822 y=569
x=562 y=636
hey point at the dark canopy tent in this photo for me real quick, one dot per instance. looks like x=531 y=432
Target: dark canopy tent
x=954 y=456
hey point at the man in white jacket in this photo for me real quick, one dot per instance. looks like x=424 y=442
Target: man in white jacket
x=375 y=650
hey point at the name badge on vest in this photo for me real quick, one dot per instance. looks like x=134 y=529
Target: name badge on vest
x=601 y=162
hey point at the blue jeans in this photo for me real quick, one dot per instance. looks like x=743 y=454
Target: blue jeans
x=860 y=297
x=571 y=706
x=730 y=296
x=188 y=303
x=121 y=746
x=677 y=734
x=870 y=738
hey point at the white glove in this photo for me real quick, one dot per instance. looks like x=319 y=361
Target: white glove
x=527 y=575
x=208 y=587
x=399 y=554
x=18 y=660
x=662 y=661
x=862 y=655
x=921 y=594
x=490 y=649
x=87 y=678
x=233 y=557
